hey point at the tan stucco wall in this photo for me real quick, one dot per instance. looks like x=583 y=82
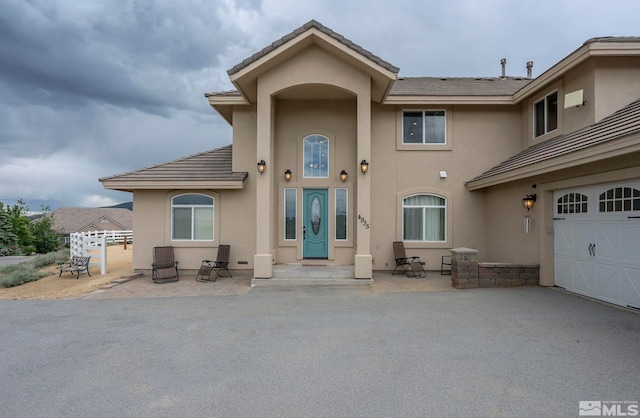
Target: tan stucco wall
x=608 y=84
x=505 y=214
x=318 y=92
x=617 y=83
x=471 y=131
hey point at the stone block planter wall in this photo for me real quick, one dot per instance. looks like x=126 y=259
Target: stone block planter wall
x=467 y=273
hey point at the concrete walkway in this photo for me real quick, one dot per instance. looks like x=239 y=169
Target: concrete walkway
x=240 y=284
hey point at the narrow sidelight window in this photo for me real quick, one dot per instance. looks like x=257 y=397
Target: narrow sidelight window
x=341 y=214
x=290 y=210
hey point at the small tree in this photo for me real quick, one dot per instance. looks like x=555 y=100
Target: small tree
x=45 y=238
x=20 y=221
x=8 y=239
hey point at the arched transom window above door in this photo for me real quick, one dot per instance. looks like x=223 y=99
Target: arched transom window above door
x=315 y=158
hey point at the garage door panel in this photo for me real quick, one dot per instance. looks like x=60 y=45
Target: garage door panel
x=584 y=277
x=630 y=241
x=597 y=250
x=563 y=271
x=630 y=287
x=563 y=237
x=607 y=240
x=607 y=282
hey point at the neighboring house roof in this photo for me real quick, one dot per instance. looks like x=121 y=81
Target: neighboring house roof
x=78 y=219
x=319 y=26
x=566 y=150
x=209 y=169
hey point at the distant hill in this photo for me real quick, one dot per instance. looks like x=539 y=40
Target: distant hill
x=125 y=205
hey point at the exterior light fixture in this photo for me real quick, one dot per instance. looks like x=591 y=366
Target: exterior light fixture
x=262 y=166
x=343 y=176
x=528 y=201
x=364 y=166
x=287 y=175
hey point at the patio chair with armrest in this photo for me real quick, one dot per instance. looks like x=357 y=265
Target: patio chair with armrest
x=220 y=264
x=404 y=263
x=164 y=266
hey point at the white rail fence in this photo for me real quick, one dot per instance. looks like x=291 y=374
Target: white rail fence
x=95 y=243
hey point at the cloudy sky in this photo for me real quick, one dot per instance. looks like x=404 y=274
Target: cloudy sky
x=93 y=88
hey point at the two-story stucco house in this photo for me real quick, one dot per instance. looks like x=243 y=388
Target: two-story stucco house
x=334 y=157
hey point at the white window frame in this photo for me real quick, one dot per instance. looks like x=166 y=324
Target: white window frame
x=295 y=203
x=424 y=222
x=346 y=214
x=545 y=101
x=193 y=207
x=304 y=162
x=424 y=115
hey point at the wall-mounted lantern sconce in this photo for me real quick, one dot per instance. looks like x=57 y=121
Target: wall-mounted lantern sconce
x=343 y=176
x=528 y=201
x=287 y=175
x=261 y=166
x=364 y=166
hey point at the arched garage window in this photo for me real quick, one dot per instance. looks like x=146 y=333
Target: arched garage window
x=620 y=199
x=572 y=203
x=424 y=218
x=192 y=217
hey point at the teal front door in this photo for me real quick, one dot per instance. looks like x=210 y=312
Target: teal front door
x=315 y=228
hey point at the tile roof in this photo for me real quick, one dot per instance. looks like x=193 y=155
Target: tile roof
x=213 y=165
x=76 y=219
x=622 y=123
x=307 y=26
x=458 y=86
x=613 y=39
x=441 y=86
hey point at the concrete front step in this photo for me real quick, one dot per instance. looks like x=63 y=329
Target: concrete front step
x=306 y=281
x=311 y=275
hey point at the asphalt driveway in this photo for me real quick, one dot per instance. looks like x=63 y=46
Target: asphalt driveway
x=318 y=351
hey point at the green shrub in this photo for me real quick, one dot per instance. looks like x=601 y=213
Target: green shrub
x=27 y=271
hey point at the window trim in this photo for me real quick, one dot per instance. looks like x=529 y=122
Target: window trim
x=423 y=112
x=448 y=139
x=193 y=207
x=554 y=88
x=167 y=197
x=545 y=99
x=423 y=207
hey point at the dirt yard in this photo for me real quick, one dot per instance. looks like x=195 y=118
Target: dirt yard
x=68 y=287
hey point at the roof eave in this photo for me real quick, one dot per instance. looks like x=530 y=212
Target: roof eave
x=574 y=59
x=130 y=186
x=449 y=100
x=596 y=153
x=224 y=105
x=244 y=78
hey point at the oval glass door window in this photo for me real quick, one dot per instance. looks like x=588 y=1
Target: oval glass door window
x=315 y=217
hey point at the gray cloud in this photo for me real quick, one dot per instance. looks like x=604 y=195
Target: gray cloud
x=93 y=88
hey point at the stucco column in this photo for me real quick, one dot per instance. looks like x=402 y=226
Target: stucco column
x=263 y=260
x=363 y=260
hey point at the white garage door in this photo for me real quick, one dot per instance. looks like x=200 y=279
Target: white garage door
x=597 y=242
